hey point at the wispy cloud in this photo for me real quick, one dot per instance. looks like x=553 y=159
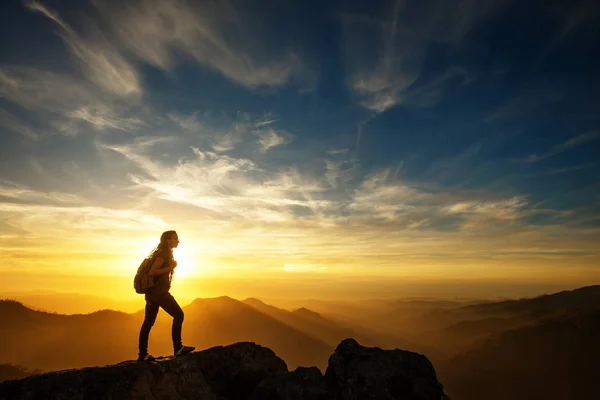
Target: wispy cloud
x=189 y=123
x=11 y=122
x=339 y=173
x=222 y=184
x=265 y=122
x=527 y=103
x=311 y=221
x=489 y=214
x=102 y=97
x=20 y=192
x=379 y=197
x=270 y=138
x=240 y=186
x=234 y=187
x=225 y=138
x=562 y=147
x=338 y=151
x=28 y=210
x=212 y=33
x=44 y=219
x=68 y=101
x=580 y=139
x=100 y=60
x=37 y=89
x=382 y=196
x=391 y=74
x=102 y=117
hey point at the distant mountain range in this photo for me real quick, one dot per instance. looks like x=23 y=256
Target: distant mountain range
x=513 y=349
x=556 y=359
x=72 y=303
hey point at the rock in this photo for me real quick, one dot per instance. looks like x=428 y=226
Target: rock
x=230 y=372
x=363 y=373
x=300 y=384
x=242 y=371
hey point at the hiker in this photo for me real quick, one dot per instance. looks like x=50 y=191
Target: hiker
x=158 y=296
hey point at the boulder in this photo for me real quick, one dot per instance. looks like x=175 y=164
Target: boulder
x=218 y=373
x=356 y=372
x=301 y=384
x=242 y=371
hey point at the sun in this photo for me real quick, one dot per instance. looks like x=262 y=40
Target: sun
x=185 y=260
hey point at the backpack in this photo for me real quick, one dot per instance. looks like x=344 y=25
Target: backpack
x=143 y=281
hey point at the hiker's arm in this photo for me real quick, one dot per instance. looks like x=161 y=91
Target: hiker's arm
x=156 y=269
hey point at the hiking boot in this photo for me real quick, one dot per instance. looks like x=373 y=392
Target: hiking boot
x=184 y=350
x=146 y=357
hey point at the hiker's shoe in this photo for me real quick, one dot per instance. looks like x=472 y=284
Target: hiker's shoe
x=146 y=357
x=184 y=350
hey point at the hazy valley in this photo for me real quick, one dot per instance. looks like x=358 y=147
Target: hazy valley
x=544 y=346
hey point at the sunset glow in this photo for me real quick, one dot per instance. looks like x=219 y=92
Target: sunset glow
x=357 y=159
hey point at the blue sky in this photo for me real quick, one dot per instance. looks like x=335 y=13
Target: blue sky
x=374 y=130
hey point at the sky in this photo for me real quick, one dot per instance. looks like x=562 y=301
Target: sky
x=301 y=148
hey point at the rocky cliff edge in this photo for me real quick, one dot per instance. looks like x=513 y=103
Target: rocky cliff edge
x=242 y=371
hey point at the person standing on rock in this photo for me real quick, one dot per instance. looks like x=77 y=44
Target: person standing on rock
x=158 y=296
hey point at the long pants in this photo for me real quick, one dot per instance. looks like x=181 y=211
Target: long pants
x=168 y=303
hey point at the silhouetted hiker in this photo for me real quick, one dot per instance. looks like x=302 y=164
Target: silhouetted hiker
x=159 y=296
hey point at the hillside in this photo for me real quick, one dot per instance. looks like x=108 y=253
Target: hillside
x=555 y=360
x=72 y=303
x=508 y=349
x=582 y=299
x=331 y=330
x=52 y=341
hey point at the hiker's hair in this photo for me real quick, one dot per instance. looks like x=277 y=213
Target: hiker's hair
x=164 y=246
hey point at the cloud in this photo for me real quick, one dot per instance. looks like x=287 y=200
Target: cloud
x=562 y=147
x=69 y=101
x=43 y=90
x=213 y=33
x=226 y=187
x=31 y=211
x=223 y=139
x=338 y=151
x=340 y=172
x=488 y=213
x=382 y=92
x=580 y=139
x=572 y=18
x=554 y=171
x=47 y=219
x=378 y=197
x=283 y=210
x=104 y=98
x=455 y=165
x=101 y=62
x=390 y=74
x=19 y=192
x=102 y=117
x=266 y=122
x=270 y=138
x=383 y=197
x=10 y=122
x=528 y=102
x=187 y=123
x=222 y=185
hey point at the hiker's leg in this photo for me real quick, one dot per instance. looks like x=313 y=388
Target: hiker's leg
x=170 y=305
x=149 y=318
